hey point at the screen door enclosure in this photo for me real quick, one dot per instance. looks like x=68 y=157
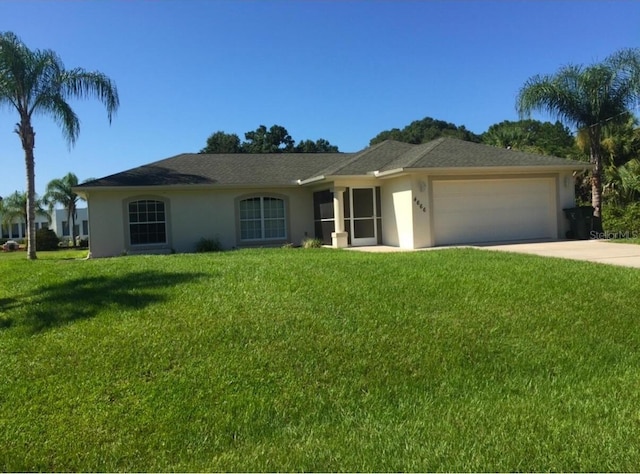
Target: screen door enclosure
x=363 y=216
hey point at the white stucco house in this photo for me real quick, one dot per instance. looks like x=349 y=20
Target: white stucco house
x=57 y=221
x=61 y=224
x=444 y=192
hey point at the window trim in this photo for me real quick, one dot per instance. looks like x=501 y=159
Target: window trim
x=262 y=241
x=127 y=226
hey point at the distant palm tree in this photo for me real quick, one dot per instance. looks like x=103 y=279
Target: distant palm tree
x=36 y=81
x=587 y=98
x=14 y=208
x=60 y=191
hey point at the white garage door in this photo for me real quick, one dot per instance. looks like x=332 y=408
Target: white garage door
x=494 y=210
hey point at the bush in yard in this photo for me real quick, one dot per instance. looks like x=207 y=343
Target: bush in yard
x=623 y=221
x=46 y=239
x=208 y=245
x=312 y=243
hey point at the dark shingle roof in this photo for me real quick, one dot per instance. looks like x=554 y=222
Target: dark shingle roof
x=286 y=169
x=370 y=159
x=454 y=153
x=280 y=169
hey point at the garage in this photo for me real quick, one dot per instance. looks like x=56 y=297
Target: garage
x=493 y=210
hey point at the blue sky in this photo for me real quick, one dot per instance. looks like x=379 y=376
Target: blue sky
x=339 y=70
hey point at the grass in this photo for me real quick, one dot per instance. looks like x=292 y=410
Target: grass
x=632 y=240
x=319 y=360
x=62 y=254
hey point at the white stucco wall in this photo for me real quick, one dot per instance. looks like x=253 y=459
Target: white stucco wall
x=60 y=215
x=397 y=212
x=421 y=208
x=191 y=215
x=106 y=224
x=566 y=199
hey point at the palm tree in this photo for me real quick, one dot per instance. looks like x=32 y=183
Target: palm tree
x=60 y=191
x=36 y=81
x=14 y=208
x=588 y=98
x=622 y=143
x=623 y=182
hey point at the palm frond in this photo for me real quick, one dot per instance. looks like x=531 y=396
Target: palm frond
x=62 y=113
x=85 y=84
x=37 y=82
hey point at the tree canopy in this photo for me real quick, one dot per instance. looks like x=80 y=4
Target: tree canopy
x=533 y=136
x=319 y=146
x=427 y=129
x=221 y=142
x=275 y=139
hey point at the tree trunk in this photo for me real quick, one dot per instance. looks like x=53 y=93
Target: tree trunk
x=72 y=220
x=596 y=178
x=28 y=136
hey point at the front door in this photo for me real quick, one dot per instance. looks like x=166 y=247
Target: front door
x=363 y=228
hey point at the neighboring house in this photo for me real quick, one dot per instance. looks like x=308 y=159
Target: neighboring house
x=57 y=222
x=443 y=192
x=17 y=229
x=61 y=225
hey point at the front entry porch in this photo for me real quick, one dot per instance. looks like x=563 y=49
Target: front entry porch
x=348 y=216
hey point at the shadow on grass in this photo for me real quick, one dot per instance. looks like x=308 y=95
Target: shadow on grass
x=5 y=305
x=83 y=298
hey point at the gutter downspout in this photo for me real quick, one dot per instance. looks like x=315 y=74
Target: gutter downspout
x=310 y=180
x=382 y=174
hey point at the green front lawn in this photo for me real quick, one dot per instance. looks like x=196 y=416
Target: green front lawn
x=319 y=360
x=62 y=254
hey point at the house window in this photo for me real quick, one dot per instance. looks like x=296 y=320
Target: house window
x=85 y=227
x=262 y=218
x=147 y=222
x=15 y=230
x=65 y=228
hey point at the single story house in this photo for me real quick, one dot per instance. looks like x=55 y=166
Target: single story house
x=444 y=192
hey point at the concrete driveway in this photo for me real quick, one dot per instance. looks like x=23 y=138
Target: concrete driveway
x=601 y=251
